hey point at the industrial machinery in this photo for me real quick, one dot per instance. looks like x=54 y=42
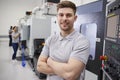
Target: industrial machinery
x=40 y=30
x=38 y=45
x=35 y=29
x=111 y=57
x=24 y=29
x=91 y=23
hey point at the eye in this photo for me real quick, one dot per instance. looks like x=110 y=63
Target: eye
x=68 y=15
x=60 y=15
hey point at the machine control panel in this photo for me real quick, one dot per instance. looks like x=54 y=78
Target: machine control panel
x=112 y=60
x=111 y=56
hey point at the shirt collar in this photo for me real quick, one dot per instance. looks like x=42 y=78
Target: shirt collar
x=68 y=37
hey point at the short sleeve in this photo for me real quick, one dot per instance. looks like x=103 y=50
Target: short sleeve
x=45 y=50
x=81 y=50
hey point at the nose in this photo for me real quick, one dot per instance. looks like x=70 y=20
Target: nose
x=64 y=17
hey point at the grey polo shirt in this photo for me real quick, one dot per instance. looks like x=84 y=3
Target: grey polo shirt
x=60 y=49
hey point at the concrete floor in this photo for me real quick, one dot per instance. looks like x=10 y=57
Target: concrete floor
x=10 y=70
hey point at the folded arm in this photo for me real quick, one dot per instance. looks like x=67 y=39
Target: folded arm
x=69 y=71
x=43 y=67
x=16 y=36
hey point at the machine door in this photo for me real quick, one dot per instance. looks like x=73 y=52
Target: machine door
x=90 y=31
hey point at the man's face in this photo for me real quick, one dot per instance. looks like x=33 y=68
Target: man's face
x=66 y=18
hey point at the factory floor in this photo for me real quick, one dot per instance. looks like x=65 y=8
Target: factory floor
x=13 y=70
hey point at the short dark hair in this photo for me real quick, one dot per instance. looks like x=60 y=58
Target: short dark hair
x=67 y=4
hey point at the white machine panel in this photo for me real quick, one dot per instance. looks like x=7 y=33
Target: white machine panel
x=25 y=32
x=40 y=28
x=90 y=76
x=54 y=26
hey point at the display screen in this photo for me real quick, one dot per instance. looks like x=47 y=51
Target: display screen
x=112 y=25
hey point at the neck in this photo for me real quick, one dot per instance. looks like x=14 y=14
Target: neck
x=65 y=33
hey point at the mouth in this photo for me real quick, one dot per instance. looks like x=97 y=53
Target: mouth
x=64 y=24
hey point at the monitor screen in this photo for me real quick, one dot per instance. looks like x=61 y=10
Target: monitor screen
x=112 y=25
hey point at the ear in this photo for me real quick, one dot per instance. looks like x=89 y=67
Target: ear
x=75 y=18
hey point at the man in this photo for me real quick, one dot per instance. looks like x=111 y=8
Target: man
x=64 y=55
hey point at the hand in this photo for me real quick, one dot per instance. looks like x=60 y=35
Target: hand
x=49 y=61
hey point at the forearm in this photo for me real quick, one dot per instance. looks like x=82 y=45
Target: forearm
x=65 y=70
x=61 y=70
x=15 y=37
x=18 y=35
x=44 y=68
